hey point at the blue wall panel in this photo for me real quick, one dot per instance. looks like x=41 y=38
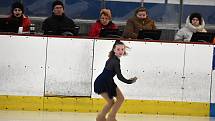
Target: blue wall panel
x=212 y=109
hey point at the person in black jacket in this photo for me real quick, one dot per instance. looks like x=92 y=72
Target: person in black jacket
x=105 y=86
x=58 y=23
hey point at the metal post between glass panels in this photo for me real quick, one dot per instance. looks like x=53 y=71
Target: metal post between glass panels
x=103 y=4
x=180 y=14
x=142 y=3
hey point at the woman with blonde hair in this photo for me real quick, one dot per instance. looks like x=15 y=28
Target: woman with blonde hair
x=104 y=22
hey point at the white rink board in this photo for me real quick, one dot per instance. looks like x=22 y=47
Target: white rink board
x=158 y=69
x=158 y=66
x=22 y=65
x=198 y=66
x=69 y=67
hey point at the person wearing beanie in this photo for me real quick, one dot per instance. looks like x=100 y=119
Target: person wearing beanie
x=57 y=2
x=19 y=6
x=194 y=23
x=58 y=23
x=18 y=19
x=104 y=22
x=140 y=21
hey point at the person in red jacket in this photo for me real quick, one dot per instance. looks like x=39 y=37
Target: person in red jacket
x=103 y=23
x=18 y=19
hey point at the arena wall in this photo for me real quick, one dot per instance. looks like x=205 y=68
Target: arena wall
x=57 y=74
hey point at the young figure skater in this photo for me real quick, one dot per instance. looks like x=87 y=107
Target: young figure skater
x=105 y=86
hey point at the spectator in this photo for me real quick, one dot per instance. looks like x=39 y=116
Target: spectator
x=140 y=21
x=58 y=23
x=17 y=19
x=103 y=23
x=194 y=23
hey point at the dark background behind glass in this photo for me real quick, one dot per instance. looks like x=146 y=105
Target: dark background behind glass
x=89 y=9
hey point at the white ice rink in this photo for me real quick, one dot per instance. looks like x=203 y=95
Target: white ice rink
x=68 y=116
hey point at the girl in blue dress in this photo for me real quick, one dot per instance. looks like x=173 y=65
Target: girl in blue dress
x=105 y=86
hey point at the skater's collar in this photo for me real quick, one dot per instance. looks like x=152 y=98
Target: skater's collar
x=114 y=56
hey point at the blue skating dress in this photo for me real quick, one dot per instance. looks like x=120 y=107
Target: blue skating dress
x=105 y=82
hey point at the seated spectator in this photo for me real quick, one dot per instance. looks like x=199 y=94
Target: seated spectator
x=17 y=19
x=140 y=21
x=58 y=23
x=103 y=23
x=194 y=23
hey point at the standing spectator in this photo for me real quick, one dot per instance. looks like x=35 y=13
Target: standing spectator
x=17 y=19
x=194 y=23
x=58 y=23
x=140 y=21
x=103 y=23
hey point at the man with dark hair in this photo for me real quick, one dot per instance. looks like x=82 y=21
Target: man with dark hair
x=58 y=23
